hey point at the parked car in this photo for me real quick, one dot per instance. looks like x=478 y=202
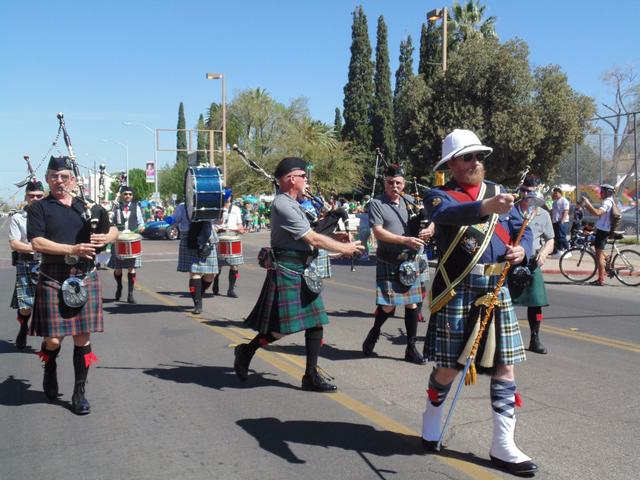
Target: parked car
x=159 y=229
x=627 y=222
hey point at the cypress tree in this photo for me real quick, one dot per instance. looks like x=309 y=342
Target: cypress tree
x=382 y=111
x=358 y=92
x=405 y=67
x=181 y=143
x=430 y=50
x=337 y=124
x=203 y=141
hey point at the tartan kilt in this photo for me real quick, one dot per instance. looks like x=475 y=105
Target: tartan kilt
x=446 y=338
x=323 y=264
x=285 y=304
x=190 y=261
x=228 y=261
x=424 y=277
x=389 y=290
x=24 y=290
x=535 y=295
x=119 y=263
x=52 y=318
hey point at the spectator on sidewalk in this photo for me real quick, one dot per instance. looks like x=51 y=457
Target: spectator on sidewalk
x=560 y=221
x=603 y=227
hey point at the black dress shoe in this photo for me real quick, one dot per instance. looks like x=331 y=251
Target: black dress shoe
x=412 y=355
x=130 y=299
x=524 y=469
x=241 y=362
x=316 y=382
x=370 y=342
x=535 y=345
x=79 y=404
x=232 y=294
x=21 y=339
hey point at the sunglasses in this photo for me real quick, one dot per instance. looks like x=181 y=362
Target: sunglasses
x=37 y=196
x=526 y=190
x=64 y=177
x=127 y=193
x=467 y=157
x=301 y=175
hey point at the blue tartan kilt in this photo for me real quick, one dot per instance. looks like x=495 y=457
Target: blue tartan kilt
x=323 y=264
x=446 y=332
x=229 y=261
x=389 y=290
x=119 y=263
x=285 y=304
x=190 y=261
x=25 y=290
x=52 y=318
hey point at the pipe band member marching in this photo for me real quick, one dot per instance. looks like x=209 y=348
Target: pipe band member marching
x=398 y=276
x=231 y=225
x=290 y=300
x=127 y=217
x=197 y=254
x=528 y=289
x=476 y=223
x=68 y=299
x=26 y=261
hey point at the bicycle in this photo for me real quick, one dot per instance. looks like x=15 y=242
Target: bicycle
x=578 y=264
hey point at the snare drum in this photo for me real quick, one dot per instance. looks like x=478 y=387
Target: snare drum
x=230 y=249
x=128 y=245
x=204 y=195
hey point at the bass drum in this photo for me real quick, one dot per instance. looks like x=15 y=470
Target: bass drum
x=204 y=195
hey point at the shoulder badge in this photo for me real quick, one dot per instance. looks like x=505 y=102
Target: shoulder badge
x=436 y=201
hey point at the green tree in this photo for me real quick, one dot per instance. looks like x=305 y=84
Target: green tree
x=467 y=21
x=430 y=50
x=181 y=142
x=383 y=131
x=358 y=92
x=171 y=180
x=203 y=141
x=138 y=182
x=337 y=123
x=405 y=66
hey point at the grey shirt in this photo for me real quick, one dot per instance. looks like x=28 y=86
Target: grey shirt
x=541 y=228
x=392 y=217
x=18 y=227
x=288 y=224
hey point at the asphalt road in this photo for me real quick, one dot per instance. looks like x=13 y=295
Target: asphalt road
x=167 y=405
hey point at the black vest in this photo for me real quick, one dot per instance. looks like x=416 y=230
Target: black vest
x=132 y=223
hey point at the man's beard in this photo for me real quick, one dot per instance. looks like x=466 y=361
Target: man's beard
x=475 y=176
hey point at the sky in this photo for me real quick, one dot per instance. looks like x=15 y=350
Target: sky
x=104 y=63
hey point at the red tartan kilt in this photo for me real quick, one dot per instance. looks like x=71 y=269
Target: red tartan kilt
x=52 y=318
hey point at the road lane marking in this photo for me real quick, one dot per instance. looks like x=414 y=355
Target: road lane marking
x=586 y=337
x=294 y=367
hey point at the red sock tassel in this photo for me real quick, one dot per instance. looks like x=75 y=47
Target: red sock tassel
x=432 y=394
x=43 y=356
x=89 y=359
x=518 y=400
x=192 y=290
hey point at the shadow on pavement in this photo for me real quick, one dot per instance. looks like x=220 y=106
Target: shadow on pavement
x=183 y=294
x=15 y=392
x=226 y=323
x=213 y=376
x=349 y=313
x=139 y=308
x=10 y=347
x=328 y=351
x=274 y=436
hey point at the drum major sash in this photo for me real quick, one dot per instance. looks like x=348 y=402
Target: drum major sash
x=463 y=252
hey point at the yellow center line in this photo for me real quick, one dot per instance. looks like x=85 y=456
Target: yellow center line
x=294 y=367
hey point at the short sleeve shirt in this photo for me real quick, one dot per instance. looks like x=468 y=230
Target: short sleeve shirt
x=604 y=221
x=541 y=228
x=392 y=217
x=18 y=227
x=558 y=209
x=50 y=219
x=288 y=224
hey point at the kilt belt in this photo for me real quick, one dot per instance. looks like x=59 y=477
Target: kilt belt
x=488 y=268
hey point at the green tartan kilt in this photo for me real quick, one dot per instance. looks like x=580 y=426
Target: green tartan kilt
x=52 y=318
x=535 y=295
x=285 y=304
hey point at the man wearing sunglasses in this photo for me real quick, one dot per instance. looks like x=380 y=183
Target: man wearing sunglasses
x=389 y=219
x=287 y=303
x=58 y=228
x=25 y=260
x=127 y=217
x=476 y=225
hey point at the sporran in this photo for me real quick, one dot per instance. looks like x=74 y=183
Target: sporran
x=408 y=273
x=74 y=292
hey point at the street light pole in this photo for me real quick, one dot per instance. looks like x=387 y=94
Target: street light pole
x=432 y=16
x=220 y=76
x=126 y=150
x=155 y=151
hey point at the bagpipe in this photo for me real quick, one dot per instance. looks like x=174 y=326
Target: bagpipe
x=30 y=177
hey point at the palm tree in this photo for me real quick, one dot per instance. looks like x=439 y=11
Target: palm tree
x=467 y=21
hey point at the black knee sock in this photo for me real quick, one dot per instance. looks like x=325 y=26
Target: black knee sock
x=233 y=278
x=261 y=340
x=205 y=285
x=437 y=393
x=118 y=278
x=381 y=317
x=131 y=278
x=82 y=359
x=534 y=316
x=411 y=323
x=313 y=343
x=195 y=288
x=216 y=279
x=23 y=319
